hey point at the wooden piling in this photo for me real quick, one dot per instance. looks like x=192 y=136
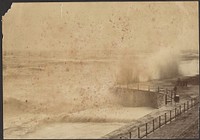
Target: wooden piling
x=138 y=132
x=175 y=112
x=153 y=125
x=146 y=130
x=159 y=121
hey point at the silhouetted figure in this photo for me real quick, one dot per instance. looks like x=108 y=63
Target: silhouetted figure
x=182 y=83
x=178 y=82
x=175 y=91
x=186 y=83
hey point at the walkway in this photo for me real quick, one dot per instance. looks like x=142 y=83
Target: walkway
x=185 y=126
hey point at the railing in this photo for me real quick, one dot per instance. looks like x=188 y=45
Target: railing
x=169 y=93
x=149 y=127
x=143 y=87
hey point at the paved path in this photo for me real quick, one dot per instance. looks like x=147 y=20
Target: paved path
x=185 y=126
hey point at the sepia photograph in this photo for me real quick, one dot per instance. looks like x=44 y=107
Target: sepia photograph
x=101 y=70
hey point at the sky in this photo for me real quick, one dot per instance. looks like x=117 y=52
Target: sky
x=102 y=25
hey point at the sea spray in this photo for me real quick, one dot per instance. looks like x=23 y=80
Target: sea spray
x=156 y=65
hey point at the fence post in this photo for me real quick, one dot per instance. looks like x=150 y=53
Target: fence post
x=184 y=107
x=191 y=103
x=153 y=125
x=159 y=121
x=175 y=112
x=171 y=96
x=187 y=105
x=146 y=129
x=165 y=118
x=138 y=132
x=130 y=135
x=165 y=98
x=170 y=115
x=180 y=109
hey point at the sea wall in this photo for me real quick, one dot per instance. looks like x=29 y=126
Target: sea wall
x=139 y=98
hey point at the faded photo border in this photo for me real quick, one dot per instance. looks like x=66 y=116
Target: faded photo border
x=5 y=6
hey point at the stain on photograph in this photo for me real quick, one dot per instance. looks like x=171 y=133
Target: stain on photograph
x=101 y=70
